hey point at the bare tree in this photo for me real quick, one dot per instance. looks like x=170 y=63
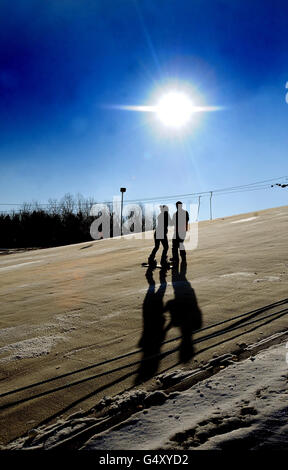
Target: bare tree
x=67 y=203
x=52 y=207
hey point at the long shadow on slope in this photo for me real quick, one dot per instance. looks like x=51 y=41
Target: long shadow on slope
x=184 y=311
x=153 y=333
x=184 y=314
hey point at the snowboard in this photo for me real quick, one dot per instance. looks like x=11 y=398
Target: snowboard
x=154 y=266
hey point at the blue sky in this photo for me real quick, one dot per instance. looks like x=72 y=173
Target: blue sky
x=63 y=64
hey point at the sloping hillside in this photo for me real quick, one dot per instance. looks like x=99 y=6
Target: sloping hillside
x=72 y=318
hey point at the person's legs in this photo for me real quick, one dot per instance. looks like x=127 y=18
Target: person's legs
x=164 y=252
x=182 y=250
x=154 y=251
x=175 y=247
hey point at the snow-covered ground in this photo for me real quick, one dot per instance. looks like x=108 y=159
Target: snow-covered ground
x=243 y=406
x=72 y=319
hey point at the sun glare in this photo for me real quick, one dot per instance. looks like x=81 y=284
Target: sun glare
x=174 y=109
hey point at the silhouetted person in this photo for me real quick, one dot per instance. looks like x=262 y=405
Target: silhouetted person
x=160 y=236
x=180 y=221
x=153 y=326
x=184 y=310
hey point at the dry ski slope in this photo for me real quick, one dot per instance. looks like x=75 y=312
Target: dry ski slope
x=66 y=312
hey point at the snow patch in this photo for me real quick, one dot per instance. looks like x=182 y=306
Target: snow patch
x=244 y=220
x=7 y=261
x=240 y=274
x=16 y=266
x=268 y=278
x=28 y=348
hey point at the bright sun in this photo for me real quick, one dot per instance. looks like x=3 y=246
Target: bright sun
x=174 y=109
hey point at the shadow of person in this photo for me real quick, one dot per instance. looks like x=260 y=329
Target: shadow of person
x=153 y=333
x=184 y=310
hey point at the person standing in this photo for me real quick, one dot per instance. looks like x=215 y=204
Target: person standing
x=180 y=221
x=160 y=236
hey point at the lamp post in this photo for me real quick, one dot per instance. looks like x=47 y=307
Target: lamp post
x=123 y=190
x=199 y=202
x=211 y=194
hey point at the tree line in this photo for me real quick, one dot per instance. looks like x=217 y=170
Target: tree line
x=57 y=223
